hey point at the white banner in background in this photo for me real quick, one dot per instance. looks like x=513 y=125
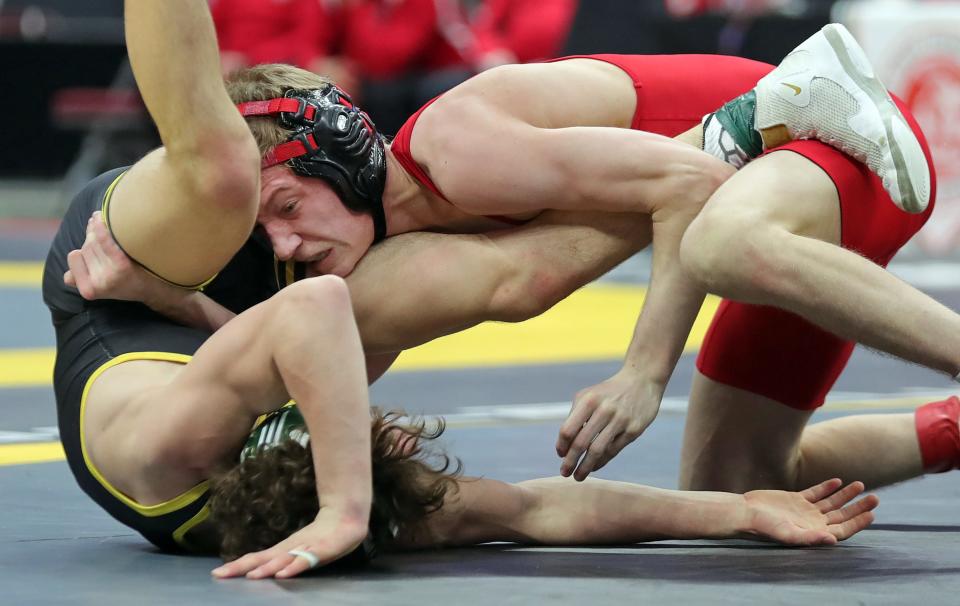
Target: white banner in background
x=915 y=48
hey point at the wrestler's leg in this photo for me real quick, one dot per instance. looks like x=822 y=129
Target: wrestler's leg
x=737 y=440
x=184 y=210
x=769 y=236
x=878 y=449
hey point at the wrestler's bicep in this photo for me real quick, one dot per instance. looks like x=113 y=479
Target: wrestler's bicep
x=479 y=510
x=230 y=380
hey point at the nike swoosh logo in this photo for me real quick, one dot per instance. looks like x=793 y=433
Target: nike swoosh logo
x=796 y=89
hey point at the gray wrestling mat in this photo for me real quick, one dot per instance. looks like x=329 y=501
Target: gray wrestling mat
x=57 y=547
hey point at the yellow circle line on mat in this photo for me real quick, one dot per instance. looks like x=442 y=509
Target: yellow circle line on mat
x=34 y=452
x=19 y=274
x=594 y=323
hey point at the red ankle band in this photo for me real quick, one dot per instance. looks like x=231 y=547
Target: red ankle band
x=939 y=435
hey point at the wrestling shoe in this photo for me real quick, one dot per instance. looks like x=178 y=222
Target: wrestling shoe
x=826 y=90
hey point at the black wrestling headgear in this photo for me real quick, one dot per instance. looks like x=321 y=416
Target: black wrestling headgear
x=331 y=139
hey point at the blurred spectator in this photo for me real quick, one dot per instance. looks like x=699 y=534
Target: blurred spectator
x=738 y=33
x=521 y=31
x=271 y=31
x=391 y=55
x=406 y=52
x=389 y=38
x=299 y=32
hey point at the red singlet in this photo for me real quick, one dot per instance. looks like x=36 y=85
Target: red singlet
x=759 y=349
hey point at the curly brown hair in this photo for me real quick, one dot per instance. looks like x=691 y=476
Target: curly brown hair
x=268 y=497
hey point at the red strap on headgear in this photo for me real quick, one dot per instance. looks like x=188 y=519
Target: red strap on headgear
x=271 y=107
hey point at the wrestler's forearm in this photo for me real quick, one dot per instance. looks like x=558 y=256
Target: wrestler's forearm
x=320 y=362
x=672 y=301
x=670 y=308
x=601 y=511
x=561 y=511
x=190 y=308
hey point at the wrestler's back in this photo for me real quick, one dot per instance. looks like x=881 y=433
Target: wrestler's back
x=610 y=90
x=516 y=126
x=576 y=92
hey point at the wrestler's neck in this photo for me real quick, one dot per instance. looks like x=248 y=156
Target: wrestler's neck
x=410 y=206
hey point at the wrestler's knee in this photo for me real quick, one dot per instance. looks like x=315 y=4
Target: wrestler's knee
x=736 y=440
x=729 y=251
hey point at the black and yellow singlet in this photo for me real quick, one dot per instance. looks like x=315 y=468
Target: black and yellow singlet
x=95 y=335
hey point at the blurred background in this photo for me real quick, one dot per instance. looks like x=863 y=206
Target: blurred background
x=71 y=109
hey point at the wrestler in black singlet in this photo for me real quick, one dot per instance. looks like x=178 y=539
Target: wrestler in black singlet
x=93 y=335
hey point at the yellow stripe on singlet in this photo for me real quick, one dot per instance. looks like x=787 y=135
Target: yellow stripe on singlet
x=149 y=511
x=105 y=210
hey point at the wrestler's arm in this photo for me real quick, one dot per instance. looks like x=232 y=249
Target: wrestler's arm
x=608 y=416
x=611 y=169
x=199 y=192
x=558 y=511
x=101 y=270
x=582 y=168
x=510 y=274
x=416 y=287
x=275 y=351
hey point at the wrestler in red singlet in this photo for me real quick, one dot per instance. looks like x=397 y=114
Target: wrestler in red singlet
x=760 y=349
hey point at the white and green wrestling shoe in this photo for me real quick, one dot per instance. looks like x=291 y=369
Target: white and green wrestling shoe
x=826 y=90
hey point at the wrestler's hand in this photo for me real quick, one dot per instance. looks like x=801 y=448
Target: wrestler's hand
x=329 y=537
x=605 y=418
x=821 y=515
x=101 y=270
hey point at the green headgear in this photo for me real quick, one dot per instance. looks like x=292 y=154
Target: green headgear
x=276 y=427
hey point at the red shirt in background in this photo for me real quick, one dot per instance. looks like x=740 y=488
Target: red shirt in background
x=275 y=31
x=532 y=30
x=388 y=38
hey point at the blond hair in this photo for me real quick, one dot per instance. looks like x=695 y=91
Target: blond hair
x=270 y=81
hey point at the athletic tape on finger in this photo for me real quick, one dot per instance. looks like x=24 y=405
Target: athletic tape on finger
x=311 y=559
